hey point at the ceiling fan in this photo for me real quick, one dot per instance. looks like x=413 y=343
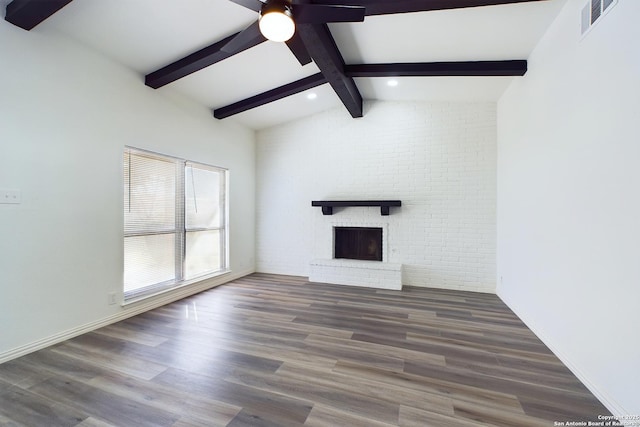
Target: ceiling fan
x=311 y=39
x=278 y=19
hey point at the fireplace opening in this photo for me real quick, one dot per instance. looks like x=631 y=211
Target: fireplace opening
x=363 y=243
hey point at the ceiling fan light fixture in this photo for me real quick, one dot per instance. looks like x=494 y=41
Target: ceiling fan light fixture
x=276 y=22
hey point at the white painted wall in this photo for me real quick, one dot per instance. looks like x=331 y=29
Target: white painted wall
x=65 y=115
x=438 y=159
x=569 y=199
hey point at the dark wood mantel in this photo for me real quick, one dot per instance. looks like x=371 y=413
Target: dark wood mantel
x=328 y=205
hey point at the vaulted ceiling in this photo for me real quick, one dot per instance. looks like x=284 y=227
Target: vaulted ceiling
x=462 y=50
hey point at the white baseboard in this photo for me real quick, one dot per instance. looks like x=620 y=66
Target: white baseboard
x=614 y=407
x=129 y=311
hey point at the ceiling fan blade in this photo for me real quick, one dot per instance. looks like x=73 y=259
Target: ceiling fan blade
x=245 y=39
x=388 y=7
x=299 y=50
x=254 y=5
x=305 y=13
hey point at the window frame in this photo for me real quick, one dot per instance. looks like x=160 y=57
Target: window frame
x=180 y=230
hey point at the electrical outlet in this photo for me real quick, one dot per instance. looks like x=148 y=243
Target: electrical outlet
x=10 y=196
x=112 y=298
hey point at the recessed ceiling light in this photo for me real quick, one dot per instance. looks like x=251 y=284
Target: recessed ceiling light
x=392 y=83
x=312 y=95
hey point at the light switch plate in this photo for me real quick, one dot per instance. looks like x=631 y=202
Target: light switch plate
x=10 y=196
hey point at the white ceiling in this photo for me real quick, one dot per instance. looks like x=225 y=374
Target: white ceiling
x=146 y=35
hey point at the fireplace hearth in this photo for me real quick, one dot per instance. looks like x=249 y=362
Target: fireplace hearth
x=359 y=243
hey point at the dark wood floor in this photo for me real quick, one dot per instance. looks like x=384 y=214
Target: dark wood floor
x=278 y=351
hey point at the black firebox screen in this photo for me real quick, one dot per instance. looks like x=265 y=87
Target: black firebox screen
x=364 y=243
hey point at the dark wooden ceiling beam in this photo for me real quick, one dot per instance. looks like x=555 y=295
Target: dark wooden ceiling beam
x=195 y=62
x=423 y=69
x=327 y=57
x=325 y=52
x=27 y=14
x=463 y=68
x=386 y=7
x=270 y=96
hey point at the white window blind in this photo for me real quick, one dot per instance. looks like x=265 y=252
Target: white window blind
x=174 y=222
x=204 y=219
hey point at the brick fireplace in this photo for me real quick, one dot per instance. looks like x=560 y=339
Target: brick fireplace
x=355 y=252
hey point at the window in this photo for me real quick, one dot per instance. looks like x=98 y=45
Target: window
x=174 y=222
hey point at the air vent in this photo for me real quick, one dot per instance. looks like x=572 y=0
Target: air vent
x=596 y=10
x=593 y=12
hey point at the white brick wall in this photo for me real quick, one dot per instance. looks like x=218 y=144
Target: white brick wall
x=438 y=158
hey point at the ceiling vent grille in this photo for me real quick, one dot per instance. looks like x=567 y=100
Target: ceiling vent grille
x=593 y=12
